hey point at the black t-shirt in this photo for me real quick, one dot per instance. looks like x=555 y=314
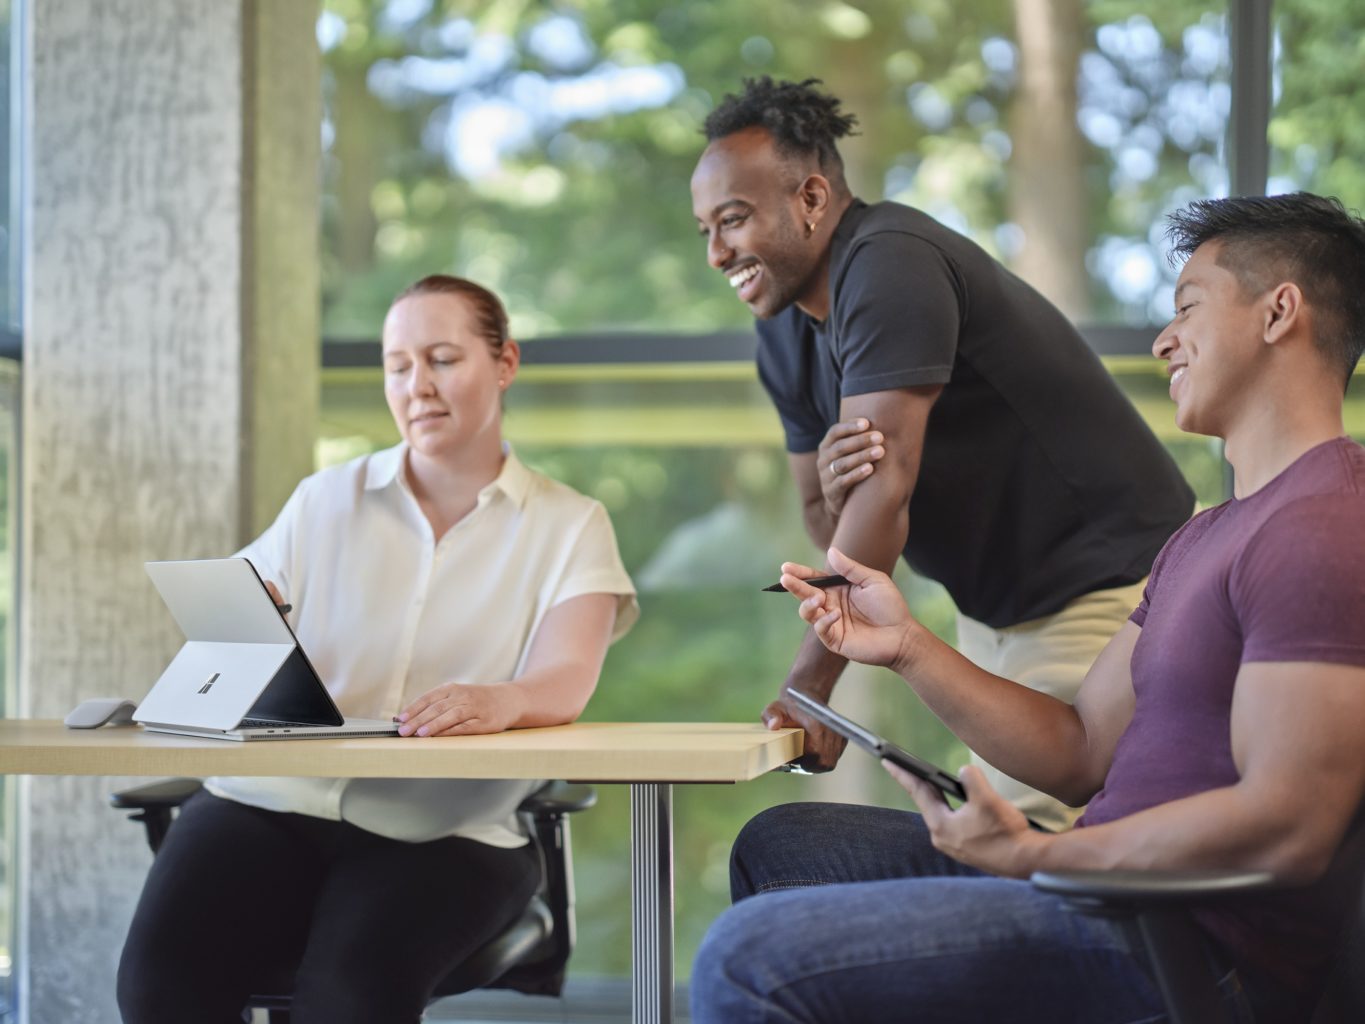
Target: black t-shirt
x=1038 y=481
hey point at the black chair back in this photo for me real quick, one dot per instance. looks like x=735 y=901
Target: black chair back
x=1343 y=999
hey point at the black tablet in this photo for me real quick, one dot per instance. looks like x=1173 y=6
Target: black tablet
x=880 y=748
x=877 y=746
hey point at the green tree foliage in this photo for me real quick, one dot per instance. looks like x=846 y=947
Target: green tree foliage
x=1317 y=132
x=582 y=219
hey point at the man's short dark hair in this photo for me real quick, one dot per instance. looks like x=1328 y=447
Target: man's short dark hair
x=1310 y=240
x=802 y=120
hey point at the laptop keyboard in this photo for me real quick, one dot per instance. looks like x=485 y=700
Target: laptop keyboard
x=264 y=723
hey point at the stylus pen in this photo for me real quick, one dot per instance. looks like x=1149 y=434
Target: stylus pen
x=815 y=581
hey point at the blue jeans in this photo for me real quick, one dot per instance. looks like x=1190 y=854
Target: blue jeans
x=858 y=918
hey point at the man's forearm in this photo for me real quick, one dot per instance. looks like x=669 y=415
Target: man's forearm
x=1028 y=735
x=815 y=670
x=820 y=523
x=874 y=525
x=1231 y=828
x=873 y=533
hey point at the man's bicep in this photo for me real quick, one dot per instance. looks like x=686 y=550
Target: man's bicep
x=874 y=523
x=902 y=416
x=1105 y=701
x=1296 y=729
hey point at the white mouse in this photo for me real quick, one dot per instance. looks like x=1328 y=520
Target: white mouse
x=91 y=714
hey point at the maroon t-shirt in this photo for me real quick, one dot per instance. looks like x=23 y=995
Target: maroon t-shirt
x=1276 y=576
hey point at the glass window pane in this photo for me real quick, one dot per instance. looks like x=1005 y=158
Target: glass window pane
x=9 y=468
x=547 y=152
x=10 y=402
x=1317 y=126
x=9 y=171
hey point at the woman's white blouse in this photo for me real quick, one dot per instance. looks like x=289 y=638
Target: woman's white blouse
x=386 y=614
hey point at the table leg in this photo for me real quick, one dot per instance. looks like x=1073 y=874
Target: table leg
x=651 y=899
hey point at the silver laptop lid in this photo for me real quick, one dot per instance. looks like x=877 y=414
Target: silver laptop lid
x=212 y=685
x=220 y=600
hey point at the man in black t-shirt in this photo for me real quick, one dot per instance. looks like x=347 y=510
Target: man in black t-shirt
x=1008 y=465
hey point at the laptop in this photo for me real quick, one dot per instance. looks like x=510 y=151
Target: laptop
x=880 y=748
x=241 y=674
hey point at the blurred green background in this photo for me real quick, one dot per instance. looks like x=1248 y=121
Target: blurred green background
x=544 y=149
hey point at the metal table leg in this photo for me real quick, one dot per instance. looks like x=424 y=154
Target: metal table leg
x=651 y=899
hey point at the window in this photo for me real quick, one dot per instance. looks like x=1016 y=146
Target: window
x=1316 y=142
x=9 y=465
x=1317 y=130
x=496 y=144
x=546 y=152
x=10 y=92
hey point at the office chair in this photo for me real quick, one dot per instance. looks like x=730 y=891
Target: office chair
x=1157 y=904
x=529 y=956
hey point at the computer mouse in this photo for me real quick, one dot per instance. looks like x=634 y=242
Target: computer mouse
x=91 y=714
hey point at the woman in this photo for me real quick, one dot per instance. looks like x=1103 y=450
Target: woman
x=441 y=582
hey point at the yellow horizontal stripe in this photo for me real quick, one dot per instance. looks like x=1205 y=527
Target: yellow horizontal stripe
x=348 y=413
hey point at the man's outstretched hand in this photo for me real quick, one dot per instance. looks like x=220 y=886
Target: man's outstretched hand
x=865 y=620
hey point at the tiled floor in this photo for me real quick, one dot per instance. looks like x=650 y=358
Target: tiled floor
x=585 y=1001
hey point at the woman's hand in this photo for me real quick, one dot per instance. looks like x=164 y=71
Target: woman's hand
x=865 y=621
x=462 y=709
x=276 y=596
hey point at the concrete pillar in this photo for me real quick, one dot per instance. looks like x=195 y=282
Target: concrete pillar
x=170 y=384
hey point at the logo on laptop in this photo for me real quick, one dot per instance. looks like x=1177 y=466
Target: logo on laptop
x=209 y=685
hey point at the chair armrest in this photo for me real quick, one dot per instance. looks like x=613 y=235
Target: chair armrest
x=154 y=805
x=1148 y=888
x=168 y=793
x=559 y=798
x=1155 y=903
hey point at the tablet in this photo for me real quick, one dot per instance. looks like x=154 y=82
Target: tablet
x=877 y=746
x=880 y=748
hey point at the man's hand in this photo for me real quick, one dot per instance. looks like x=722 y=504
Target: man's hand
x=845 y=459
x=866 y=621
x=459 y=709
x=823 y=745
x=987 y=832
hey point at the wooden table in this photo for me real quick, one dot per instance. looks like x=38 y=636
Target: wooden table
x=648 y=756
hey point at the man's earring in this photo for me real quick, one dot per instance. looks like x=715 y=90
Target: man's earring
x=810 y=228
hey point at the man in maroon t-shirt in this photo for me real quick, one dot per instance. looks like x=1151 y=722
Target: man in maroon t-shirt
x=1220 y=728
